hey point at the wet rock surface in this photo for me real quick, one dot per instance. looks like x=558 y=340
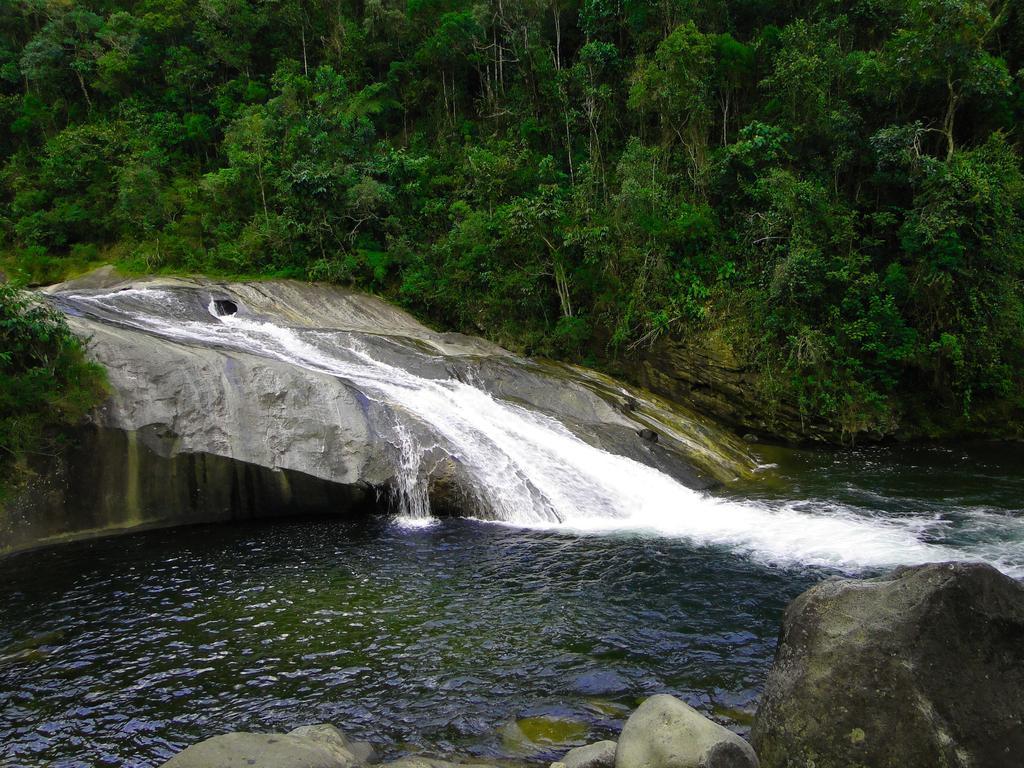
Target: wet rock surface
x=312 y=746
x=665 y=732
x=430 y=762
x=201 y=430
x=920 y=668
x=600 y=754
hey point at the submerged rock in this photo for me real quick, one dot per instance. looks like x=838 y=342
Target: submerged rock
x=313 y=746
x=665 y=732
x=531 y=735
x=601 y=754
x=601 y=682
x=918 y=669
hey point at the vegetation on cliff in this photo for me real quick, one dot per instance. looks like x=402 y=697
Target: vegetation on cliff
x=835 y=186
x=45 y=381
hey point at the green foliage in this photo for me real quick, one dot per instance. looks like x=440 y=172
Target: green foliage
x=45 y=380
x=833 y=186
x=963 y=241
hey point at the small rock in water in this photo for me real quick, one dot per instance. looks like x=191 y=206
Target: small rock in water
x=601 y=683
x=737 y=715
x=364 y=752
x=649 y=435
x=429 y=762
x=608 y=708
x=30 y=649
x=598 y=755
x=23 y=656
x=311 y=746
x=665 y=732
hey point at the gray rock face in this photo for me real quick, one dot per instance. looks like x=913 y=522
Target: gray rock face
x=364 y=752
x=918 y=669
x=601 y=754
x=665 y=732
x=430 y=762
x=313 y=746
x=199 y=428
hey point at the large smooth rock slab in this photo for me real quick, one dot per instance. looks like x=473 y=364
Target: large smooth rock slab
x=665 y=732
x=206 y=422
x=315 y=746
x=918 y=669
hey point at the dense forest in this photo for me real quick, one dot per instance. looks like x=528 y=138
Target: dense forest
x=833 y=186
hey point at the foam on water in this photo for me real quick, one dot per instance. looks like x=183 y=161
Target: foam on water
x=527 y=469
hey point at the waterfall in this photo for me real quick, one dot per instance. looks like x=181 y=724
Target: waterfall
x=526 y=468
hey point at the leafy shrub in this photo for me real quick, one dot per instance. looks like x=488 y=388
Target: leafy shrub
x=46 y=381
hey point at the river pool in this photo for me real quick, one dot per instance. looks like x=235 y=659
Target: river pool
x=457 y=636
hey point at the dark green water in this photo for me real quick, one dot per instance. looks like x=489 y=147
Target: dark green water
x=119 y=652
x=434 y=636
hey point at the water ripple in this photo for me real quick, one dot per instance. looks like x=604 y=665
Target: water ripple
x=428 y=638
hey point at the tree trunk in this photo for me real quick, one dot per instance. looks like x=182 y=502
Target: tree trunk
x=558 y=37
x=724 y=100
x=948 y=121
x=263 y=194
x=85 y=91
x=305 y=63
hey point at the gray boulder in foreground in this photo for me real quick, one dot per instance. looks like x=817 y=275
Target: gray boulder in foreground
x=417 y=761
x=923 y=668
x=312 y=746
x=665 y=732
x=601 y=754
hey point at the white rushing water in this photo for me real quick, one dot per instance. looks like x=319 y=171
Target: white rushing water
x=529 y=470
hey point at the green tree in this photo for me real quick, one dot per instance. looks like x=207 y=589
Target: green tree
x=46 y=382
x=943 y=48
x=675 y=85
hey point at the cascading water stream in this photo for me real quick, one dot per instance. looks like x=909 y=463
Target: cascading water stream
x=528 y=469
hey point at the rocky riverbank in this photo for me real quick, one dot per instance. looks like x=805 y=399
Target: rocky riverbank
x=917 y=669
x=663 y=732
